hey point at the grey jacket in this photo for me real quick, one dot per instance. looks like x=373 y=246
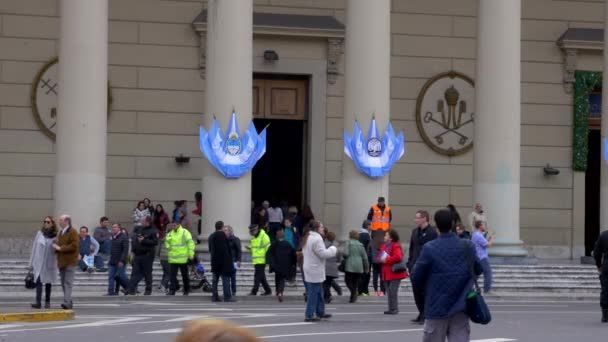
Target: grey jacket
x=43 y=260
x=331 y=264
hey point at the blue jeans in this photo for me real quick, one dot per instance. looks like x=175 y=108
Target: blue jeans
x=105 y=247
x=225 y=286
x=314 y=302
x=117 y=273
x=487 y=274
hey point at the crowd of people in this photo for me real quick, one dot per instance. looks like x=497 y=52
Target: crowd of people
x=281 y=238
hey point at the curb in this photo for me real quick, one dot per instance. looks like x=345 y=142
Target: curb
x=42 y=316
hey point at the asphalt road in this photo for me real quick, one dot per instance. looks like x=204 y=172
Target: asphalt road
x=158 y=319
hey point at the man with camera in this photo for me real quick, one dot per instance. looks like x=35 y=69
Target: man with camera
x=143 y=246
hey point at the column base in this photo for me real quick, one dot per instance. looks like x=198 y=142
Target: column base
x=505 y=248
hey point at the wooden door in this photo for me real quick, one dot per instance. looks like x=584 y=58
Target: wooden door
x=279 y=99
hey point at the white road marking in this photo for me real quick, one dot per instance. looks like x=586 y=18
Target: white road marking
x=80 y=325
x=185 y=318
x=494 y=340
x=172 y=304
x=196 y=309
x=176 y=330
x=342 y=333
x=8 y=326
x=95 y=305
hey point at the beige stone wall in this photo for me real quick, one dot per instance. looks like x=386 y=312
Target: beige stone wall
x=158 y=100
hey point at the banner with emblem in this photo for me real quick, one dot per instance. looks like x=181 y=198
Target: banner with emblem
x=229 y=154
x=374 y=156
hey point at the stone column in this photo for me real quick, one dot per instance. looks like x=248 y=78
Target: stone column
x=496 y=169
x=367 y=91
x=80 y=181
x=228 y=85
x=604 y=133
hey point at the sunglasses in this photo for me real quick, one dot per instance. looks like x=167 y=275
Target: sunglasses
x=47 y=222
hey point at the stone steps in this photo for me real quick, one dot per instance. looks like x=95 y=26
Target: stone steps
x=570 y=281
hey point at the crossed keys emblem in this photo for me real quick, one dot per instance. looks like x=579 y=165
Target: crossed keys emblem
x=452 y=120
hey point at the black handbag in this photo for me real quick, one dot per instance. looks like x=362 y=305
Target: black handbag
x=400 y=266
x=29 y=281
x=342 y=266
x=476 y=307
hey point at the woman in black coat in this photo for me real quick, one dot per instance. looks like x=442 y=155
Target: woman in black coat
x=282 y=260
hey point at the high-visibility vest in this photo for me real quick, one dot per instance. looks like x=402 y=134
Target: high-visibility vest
x=259 y=246
x=179 y=245
x=381 y=221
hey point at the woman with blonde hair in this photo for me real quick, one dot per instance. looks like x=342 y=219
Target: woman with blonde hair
x=215 y=331
x=43 y=261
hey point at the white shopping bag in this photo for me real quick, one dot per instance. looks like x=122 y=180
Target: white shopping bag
x=88 y=260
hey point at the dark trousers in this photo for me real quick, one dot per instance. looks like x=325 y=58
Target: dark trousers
x=183 y=269
x=377 y=275
x=279 y=282
x=604 y=294
x=47 y=292
x=142 y=268
x=327 y=285
x=364 y=283
x=233 y=283
x=419 y=299
x=260 y=278
x=225 y=286
x=166 y=280
x=352 y=282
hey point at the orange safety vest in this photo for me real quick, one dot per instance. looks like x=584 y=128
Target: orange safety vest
x=380 y=221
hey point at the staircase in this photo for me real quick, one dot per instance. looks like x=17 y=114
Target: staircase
x=537 y=281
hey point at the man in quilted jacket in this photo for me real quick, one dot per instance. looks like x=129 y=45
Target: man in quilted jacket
x=443 y=270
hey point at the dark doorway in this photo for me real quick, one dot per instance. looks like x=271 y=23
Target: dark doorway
x=278 y=175
x=592 y=191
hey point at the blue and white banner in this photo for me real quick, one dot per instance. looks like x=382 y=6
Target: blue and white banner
x=229 y=154
x=374 y=157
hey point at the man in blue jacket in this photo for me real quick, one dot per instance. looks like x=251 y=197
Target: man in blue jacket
x=443 y=271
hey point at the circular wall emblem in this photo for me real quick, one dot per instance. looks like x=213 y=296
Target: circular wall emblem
x=445 y=113
x=233 y=145
x=44 y=98
x=374 y=147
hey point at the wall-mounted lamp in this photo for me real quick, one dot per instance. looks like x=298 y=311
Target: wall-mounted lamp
x=550 y=171
x=271 y=56
x=181 y=159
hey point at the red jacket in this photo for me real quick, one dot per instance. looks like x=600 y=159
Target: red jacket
x=395 y=255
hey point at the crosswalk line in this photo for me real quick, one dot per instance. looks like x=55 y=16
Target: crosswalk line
x=341 y=333
x=9 y=326
x=494 y=340
x=272 y=325
x=185 y=318
x=80 y=325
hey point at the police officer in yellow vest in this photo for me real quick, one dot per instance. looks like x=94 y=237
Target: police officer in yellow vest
x=180 y=247
x=381 y=216
x=259 y=245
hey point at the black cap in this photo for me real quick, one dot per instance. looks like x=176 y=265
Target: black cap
x=253 y=226
x=380 y=199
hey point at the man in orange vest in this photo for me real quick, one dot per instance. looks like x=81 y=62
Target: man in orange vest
x=381 y=216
